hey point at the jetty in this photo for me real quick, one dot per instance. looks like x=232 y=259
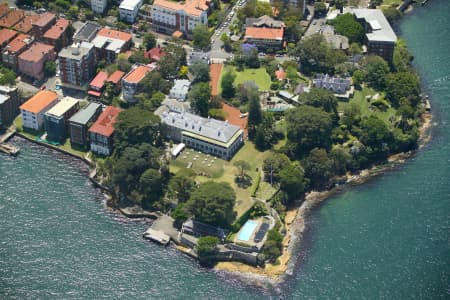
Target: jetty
x=157 y=236
x=162 y=231
x=8 y=148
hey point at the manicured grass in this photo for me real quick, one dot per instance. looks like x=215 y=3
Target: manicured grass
x=366 y=107
x=222 y=170
x=259 y=76
x=281 y=125
x=392 y=2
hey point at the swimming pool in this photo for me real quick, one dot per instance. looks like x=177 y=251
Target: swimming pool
x=247 y=231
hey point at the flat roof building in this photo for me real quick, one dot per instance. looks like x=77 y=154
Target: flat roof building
x=87 y=32
x=109 y=43
x=77 y=63
x=129 y=9
x=180 y=89
x=79 y=123
x=56 y=118
x=130 y=82
x=32 y=111
x=102 y=131
x=218 y=138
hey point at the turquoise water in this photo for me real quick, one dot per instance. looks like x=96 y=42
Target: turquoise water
x=388 y=239
x=247 y=231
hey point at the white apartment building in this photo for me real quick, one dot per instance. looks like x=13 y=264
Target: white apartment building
x=169 y=16
x=32 y=111
x=98 y=6
x=129 y=9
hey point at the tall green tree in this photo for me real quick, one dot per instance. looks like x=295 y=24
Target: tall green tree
x=151 y=186
x=254 y=114
x=347 y=25
x=200 y=36
x=322 y=99
x=376 y=135
x=375 y=71
x=402 y=85
x=181 y=185
x=199 y=96
x=227 y=84
x=149 y=40
x=293 y=181
x=318 y=168
x=212 y=202
x=200 y=70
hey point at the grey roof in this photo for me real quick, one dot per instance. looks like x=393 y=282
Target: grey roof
x=85 y=115
x=181 y=86
x=264 y=21
x=112 y=44
x=3 y=98
x=129 y=4
x=76 y=51
x=381 y=30
x=337 y=85
x=87 y=32
x=214 y=129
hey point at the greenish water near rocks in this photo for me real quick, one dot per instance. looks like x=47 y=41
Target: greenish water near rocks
x=387 y=239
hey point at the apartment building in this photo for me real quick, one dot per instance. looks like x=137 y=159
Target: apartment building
x=129 y=9
x=6 y=35
x=131 y=81
x=56 y=119
x=12 y=17
x=43 y=24
x=97 y=84
x=101 y=133
x=169 y=16
x=9 y=105
x=99 y=6
x=26 y=24
x=33 y=110
x=109 y=43
x=77 y=64
x=31 y=62
x=10 y=53
x=59 y=35
x=264 y=32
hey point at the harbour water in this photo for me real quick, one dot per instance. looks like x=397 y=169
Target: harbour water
x=387 y=239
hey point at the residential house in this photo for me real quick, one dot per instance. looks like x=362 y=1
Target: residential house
x=116 y=79
x=11 y=18
x=77 y=64
x=59 y=35
x=380 y=38
x=199 y=229
x=26 y=24
x=31 y=62
x=79 y=123
x=218 y=138
x=169 y=16
x=101 y=132
x=131 y=81
x=334 y=84
x=97 y=84
x=6 y=35
x=129 y=9
x=109 y=43
x=43 y=24
x=280 y=74
x=10 y=53
x=33 y=110
x=9 y=105
x=56 y=119
x=155 y=54
x=99 y=6
x=265 y=33
x=180 y=89
x=87 y=32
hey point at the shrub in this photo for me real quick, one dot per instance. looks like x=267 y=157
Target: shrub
x=206 y=249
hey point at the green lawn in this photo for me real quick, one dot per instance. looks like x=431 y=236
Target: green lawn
x=366 y=107
x=222 y=170
x=259 y=76
x=392 y=2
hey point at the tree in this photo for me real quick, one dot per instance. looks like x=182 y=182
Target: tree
x=347 y=25
x=151 y=186
x=227 y=82
x=168 y=67
x=319 y=9
x=307 y=128
x=8 y=77
x=402 y=57
x=199 y=96
x=49 y=68
x=341 y=158
x=376 y=135
x=181 y=185
x=243 y=166
x=152 y=83
x=134 y=126
x=392 y=14
x=123 y=63
x=200 y=70
x=200 y=36
x=402 y=85
x=273 y=245
x=318 y=168
x=89 y=14
x=376 y=69
x=254 y=114
x=273 y=165
x=212 y=203
x=149 y=40
x=206 y=249
x=322 y=99
x=138 y=57
x=293 y=181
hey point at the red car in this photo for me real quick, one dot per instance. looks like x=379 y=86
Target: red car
x=43 y=87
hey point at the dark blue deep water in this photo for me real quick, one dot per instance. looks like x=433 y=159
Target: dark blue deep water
x=388 y=239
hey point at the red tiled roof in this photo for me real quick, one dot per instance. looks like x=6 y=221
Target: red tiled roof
x=136 y=75
x=155 y=53
x=39 y=101
x=6 y=35
x=115 y=77
x=26 y=24
x=44 y=19
x=94 y=93
x=57 y=30
x=115 y=34
x=36 y=52
x=234 y=117
x=264 y=33
x=105 y=122
x=191 y=7
x=280 y=74
x=18 y=43
x=99 y=80
x=12 y=18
